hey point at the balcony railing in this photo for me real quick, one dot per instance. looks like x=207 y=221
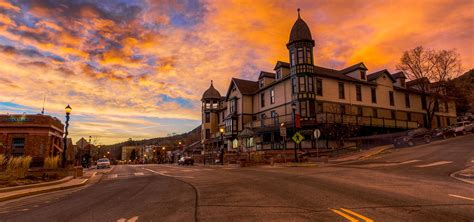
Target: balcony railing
x=336 y=118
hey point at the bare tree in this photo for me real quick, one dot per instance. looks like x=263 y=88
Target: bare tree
x=431 y=70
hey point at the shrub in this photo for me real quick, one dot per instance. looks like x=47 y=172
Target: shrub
x=17 y=167
x=3 y=161
x=51 y=162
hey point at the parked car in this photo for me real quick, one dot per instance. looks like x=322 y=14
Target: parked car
x=462 y=127
x=103 y=163
x=186 y=161
x=443 y=133
x=413 y=137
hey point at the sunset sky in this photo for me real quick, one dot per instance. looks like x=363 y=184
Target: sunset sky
x=138 y=68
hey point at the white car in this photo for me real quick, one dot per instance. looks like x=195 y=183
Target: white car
x=462 y=127
x=103 y=163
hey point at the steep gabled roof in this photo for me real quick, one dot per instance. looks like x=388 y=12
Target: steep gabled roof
x=349 y=69
x=375 y=75
x=399 y=75
x=266 y=74
x=331 y=73
x=246 y=87
x=281 y=64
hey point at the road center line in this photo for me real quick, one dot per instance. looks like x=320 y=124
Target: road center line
x=409 y=161
x=357 y=215
x=434 y=164
x=461 y=197
x=345 y=215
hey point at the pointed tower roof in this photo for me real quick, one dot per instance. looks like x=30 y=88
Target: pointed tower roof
x=300 y=30
x=211 y=93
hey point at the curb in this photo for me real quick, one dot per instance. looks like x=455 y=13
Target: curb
x=15 y=188
x=15 y=196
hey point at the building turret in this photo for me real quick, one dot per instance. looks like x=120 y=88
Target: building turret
x=211 y=104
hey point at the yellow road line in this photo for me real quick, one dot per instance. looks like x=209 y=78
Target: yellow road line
x=345 y=215
x=357 y=215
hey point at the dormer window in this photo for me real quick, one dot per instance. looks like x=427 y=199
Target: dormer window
x=362 y=74
x=262 y=83
x=278 y=74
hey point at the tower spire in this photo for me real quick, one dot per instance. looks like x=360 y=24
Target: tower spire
x=299 y=13
x=211 y=81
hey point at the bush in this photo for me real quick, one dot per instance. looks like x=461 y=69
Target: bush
x=51 y=162
x=3 y=161
x=17 y=167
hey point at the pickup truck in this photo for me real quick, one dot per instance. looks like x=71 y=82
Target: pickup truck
x=462 y=127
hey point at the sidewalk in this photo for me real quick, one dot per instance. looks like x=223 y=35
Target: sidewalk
x=65 y=183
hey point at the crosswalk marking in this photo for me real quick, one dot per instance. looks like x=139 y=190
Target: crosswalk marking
x=461 y=197
x=111 y=176
x=351 y=215
x=434 y=164
x=139 y=174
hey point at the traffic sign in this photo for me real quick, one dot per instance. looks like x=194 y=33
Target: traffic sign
x=297 y=137
x=317 y=133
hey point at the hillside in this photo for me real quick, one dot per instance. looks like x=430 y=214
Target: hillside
x=169 y=141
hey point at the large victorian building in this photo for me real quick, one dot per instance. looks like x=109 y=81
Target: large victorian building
x=251 y=113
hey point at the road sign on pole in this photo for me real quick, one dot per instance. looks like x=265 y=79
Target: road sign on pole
x=282 y=130
x=297 y=138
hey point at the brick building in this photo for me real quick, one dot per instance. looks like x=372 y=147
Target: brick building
x=38 y=136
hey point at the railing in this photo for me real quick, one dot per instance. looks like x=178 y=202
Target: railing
x=337 y=118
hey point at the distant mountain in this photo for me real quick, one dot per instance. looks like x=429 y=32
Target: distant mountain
x=169 y=142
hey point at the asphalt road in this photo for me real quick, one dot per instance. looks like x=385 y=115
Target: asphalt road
x=410 y=184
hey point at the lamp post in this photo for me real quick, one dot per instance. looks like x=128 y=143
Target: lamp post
x=221 y=131
x=293 y=108
x=68 y=110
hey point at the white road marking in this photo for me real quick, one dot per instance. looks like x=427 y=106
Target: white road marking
x=93 y=174
x=472 y=161
x=409 y=161
x=434 y=164
x=139 y=174
x=85 y=180
x=112 y=176
x=167 y=175
x=461 y=197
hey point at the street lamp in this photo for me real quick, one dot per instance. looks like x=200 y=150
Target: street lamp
x=293 y=108
x=221 y=130
x=68 y=110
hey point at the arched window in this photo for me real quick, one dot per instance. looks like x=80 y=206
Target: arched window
x=300 y=56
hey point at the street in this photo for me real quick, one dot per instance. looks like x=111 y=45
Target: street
x=408 y=184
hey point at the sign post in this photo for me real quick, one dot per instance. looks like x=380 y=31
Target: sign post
x=317 y=134
x=283 y=134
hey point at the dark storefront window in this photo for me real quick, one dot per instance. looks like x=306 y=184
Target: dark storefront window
x=18 y=145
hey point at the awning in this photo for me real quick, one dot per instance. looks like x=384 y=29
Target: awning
x=246 y=133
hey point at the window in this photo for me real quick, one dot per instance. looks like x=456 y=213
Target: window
x=272 y=96
x=249 y=142
x=233 y=106
x=409 y=116
x=407 y=100
x=374 y=112
x=436 y=106
x=359 y=111
x=262 y=119
x=341 y=91
x=446 y=107
x=438 y=121
x=393 y=114
x=208 y=134
x=342 y=108
x=392 y=100
x=278 y=74
x=402 y=82
x=208 y=117
x=303 y=109
x=262 y=83
x=293 y=85
x=319 y=108
x=312 y=108
x=300 y=56
x=362 y=75
x=214 y=104
x=18 y=145
x=319 y=87
x=358 y=93
x=292 y=56
x=208 y=105
x=274 y=115
x=234 y=125
x=302 y=83
x=374 y=96
x=310 y=84
x=262 y=99
x=308 y=56
x=423 y=102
